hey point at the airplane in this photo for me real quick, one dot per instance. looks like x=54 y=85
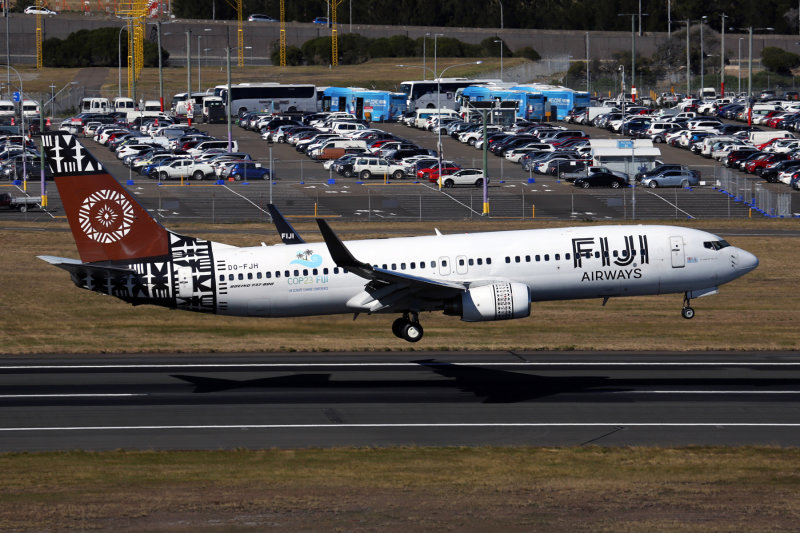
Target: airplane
x=479 y=277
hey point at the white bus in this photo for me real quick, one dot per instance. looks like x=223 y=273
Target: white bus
x=272 y=97
x=422 y=94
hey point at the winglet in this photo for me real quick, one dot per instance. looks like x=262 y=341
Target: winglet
x=339 y=252
x=288 y=234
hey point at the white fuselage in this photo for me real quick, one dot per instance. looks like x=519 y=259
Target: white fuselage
x=555 y=264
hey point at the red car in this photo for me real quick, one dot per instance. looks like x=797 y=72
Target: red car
x=432 y=173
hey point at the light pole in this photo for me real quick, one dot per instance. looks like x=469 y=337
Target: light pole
x=739 y=70
x=703 y=20
x=750 y=70
x=52 y=100
x=438 y=127
x=722 y=60
x=501 y=57
x=633 y=45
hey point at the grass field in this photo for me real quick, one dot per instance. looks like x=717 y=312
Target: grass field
x=43 y=312
x=406 y=489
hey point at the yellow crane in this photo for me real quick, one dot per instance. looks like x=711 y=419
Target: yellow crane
x=283 y=35
x=237 y=5
x=334 y=37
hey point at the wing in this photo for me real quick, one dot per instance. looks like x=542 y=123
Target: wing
x=386 y=289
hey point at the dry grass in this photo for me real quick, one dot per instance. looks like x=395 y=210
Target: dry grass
x=431 y=489
x=43 y=312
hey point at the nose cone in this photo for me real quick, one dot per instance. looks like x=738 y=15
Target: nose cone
x=746 y=262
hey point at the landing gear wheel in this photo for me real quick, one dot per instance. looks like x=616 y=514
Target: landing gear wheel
x=398 y=326
x=412 y=332
x=687 y=312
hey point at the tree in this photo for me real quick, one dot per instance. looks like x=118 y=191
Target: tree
x=779 y=61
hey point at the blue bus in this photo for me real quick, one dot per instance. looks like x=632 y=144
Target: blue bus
x=560 y=99
x=373 y=106
x=526 y=104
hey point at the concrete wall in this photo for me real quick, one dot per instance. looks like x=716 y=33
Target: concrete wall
x=260 y=37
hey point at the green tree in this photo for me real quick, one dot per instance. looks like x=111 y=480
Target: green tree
x=779 y=61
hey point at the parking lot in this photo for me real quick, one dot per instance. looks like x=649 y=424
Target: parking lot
x=304 y=188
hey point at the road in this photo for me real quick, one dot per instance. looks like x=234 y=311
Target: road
x=213 y=401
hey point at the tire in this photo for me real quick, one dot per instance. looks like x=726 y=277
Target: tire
x=398 y=174
x=237 y=177
x=412 y=332
x=652 y=184
x=365 y=174
x=448 y=184
x=585 y=185
x=198 y=175
x=615 y=185
x=479 y=182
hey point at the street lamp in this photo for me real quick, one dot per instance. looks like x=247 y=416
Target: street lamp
x=633 y=45
x=438 y=128
x=52 y=100
x=750 y=69
x=501 y=57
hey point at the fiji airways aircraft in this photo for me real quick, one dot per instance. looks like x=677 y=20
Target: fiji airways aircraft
x=478 y=277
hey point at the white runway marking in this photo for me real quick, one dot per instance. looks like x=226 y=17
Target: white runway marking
x=422 y=425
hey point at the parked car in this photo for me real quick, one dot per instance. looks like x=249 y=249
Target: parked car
x=673 y=178
x=465 y=176
x=601 y=179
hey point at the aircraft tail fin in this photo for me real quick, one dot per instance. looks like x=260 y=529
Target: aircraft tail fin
x=107 y=222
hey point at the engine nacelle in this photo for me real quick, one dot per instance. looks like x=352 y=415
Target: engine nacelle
x=498 y=301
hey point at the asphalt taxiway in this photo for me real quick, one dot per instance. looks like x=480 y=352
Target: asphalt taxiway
x=225 y=401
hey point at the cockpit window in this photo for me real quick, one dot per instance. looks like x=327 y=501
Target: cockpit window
x=716 y=245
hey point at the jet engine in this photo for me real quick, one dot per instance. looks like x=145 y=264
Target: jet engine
x=498 y=301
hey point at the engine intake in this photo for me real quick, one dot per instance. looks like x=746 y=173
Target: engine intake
x=498 y=301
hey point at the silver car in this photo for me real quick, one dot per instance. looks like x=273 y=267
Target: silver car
x=673 y=178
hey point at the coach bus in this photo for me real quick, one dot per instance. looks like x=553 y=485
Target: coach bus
x=422 y=94
x=271 y=97
x=370 y=105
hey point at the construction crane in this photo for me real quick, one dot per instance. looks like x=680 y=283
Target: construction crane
x=237 y=5
x=334 y=37
x=283 y=35
x=135 y=13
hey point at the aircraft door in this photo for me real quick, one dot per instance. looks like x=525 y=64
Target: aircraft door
x=184 y=282
x=461 y=264
x=676 y=251
x=444 y=266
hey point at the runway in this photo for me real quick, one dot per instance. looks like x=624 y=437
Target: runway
x=224 y=401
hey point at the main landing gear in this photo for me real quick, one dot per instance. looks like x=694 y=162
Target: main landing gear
x=687 y=312
x=407 y=327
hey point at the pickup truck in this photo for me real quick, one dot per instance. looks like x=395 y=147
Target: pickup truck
x=590 y=171
x=21 y=203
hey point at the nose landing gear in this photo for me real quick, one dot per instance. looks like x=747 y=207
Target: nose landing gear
x=407 y=327
x=687 y=312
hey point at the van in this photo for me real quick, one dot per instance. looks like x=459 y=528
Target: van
x=7 y=108
x=30 y=108
x=421 y=116
x=95 y=105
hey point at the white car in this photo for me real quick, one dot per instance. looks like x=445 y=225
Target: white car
x=33 y=10
x=472 y=177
